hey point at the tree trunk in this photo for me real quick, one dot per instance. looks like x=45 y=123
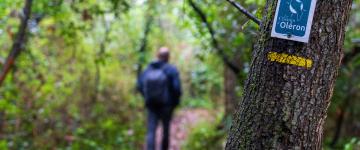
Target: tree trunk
x=231 y=81
x=284 y=105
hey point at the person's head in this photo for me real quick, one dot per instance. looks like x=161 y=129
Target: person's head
x=163 y=54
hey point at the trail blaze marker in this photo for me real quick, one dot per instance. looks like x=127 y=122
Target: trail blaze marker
x=290 y=59
x=293 y=20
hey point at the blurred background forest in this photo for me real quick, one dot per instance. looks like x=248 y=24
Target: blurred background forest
x=72 y=86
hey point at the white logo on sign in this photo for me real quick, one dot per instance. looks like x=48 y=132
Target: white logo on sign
x=296 y=7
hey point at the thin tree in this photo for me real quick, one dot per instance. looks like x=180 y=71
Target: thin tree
x=17 y=46
x=19 y=42
x=144 y=44
x=285 y=101
x=233 y=64
x=219 y=50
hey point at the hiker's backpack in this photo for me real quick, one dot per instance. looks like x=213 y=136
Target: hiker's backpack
x=156 y=86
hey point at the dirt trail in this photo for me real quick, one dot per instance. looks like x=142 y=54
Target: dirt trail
x=182 y=122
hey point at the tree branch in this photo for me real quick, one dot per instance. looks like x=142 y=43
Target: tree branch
x=215 y=43
x=19 y=42
x=244 y=11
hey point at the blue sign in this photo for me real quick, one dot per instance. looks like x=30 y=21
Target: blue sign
x=293 y=20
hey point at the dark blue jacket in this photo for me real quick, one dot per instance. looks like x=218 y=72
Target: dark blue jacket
x=172 y=73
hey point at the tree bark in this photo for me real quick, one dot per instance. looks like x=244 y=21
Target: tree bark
x=284 y=106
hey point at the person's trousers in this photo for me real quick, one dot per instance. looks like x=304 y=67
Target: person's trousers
x=154 y=116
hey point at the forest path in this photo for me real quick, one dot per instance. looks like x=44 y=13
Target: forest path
x=182 y=123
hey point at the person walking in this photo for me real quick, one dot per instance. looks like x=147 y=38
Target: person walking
x=160 y=86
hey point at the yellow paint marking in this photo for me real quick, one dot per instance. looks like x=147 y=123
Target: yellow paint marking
x=290 y=59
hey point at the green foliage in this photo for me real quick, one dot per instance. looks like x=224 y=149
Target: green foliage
x=72 y=86
x=205 y=136
x=197 y=103
x=3 y=145
x=353 y=144
x=258 y=2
